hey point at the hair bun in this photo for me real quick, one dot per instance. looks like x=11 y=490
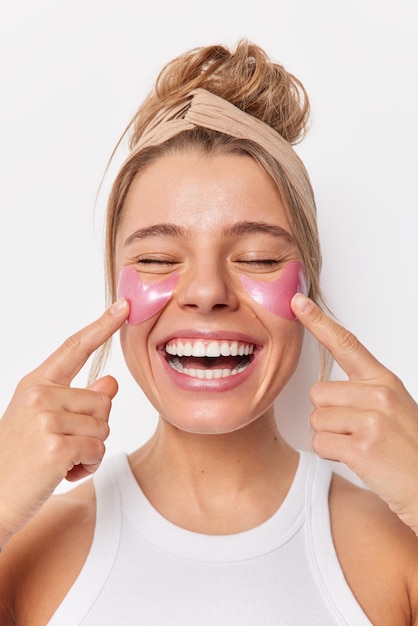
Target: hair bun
x=244 y=76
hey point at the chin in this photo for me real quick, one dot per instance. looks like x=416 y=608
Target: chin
x=213 y=419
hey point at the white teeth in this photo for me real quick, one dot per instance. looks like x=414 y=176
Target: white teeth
x=225 y=349
x=206 y=374
x=212 y=349
x=187 y=349
x=198 y=349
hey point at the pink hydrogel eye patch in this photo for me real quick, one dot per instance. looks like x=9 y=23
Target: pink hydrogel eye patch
x=145 y=299
x=276 y=296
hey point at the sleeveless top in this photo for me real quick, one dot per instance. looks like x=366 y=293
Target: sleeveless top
x=144 y=570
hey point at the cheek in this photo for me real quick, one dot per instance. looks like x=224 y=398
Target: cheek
x=286 y=349
x=145 y=299
x=133 y=341
x=276 y=296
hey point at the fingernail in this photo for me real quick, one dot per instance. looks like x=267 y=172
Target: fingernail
x=301 y=303
x=118 y=307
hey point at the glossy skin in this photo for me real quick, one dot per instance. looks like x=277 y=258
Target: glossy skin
x=145 y=299
x=276 y=296
x=238 y=476
x=205 y=199
x=148 y=299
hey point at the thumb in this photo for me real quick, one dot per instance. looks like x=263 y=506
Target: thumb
x=107 y=385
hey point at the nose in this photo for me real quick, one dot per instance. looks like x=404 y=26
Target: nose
x=206 y=287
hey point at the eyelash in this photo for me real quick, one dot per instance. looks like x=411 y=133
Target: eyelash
x=255 y=262
x=251 y=263
x=155 y=262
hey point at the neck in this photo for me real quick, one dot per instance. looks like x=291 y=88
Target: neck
x=216 y=484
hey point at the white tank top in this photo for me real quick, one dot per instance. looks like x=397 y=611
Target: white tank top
x=144 y=570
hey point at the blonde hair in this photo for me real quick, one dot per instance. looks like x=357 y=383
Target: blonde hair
x=247 y=78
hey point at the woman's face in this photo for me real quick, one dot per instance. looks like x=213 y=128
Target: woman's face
x=210 y=219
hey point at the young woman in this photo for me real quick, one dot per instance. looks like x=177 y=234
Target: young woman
x=212 y=247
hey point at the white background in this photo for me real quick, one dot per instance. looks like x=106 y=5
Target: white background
x=72 y=74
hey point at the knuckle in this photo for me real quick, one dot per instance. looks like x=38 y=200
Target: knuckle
x=316 y=419
x=368 y=438
x=66 y=453
x=320 y=445
x=104 y=430
x=86 y=340
x=73 y=343
x=103 y=322
x=37 y=396
x=98 y=450
x=362 y=448
x=105 y=402
x=317 y=443
x=346 y=340
x=372 y=428
x=101 y=326
x=383 y=397
x=55 y=448
x=47 y=422
x=101 y=449
x=317 y=316
x=91 y=452
x=315 y=392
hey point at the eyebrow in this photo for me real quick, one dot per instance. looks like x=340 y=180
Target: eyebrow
x=249 y=228
x=157 y=230
x=237 y=229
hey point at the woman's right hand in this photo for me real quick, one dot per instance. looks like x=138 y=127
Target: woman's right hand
x=51 y=431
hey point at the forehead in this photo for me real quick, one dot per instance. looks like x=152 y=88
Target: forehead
x=202 y=192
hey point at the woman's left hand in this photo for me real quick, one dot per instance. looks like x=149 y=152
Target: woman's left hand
x=370 y=421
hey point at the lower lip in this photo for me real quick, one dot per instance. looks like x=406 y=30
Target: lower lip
x=215 y=384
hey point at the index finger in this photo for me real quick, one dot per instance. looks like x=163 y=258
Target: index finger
x=65 y=363
x=357 y=362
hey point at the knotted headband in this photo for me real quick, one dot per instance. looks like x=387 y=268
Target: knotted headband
x=201 y=108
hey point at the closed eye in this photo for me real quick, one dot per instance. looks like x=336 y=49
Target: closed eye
x=261 y=262
x=158 y=265
x=155 y=262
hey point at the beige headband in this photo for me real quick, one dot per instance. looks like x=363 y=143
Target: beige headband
x=204 y=109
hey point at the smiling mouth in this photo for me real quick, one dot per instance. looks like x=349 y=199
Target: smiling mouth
x=208 y=360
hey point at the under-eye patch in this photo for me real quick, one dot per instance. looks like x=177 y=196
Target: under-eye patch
x=276 y=296
x=145 y=299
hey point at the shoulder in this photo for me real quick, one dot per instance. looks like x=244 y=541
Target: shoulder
x=33 y=581
x=377 y=552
